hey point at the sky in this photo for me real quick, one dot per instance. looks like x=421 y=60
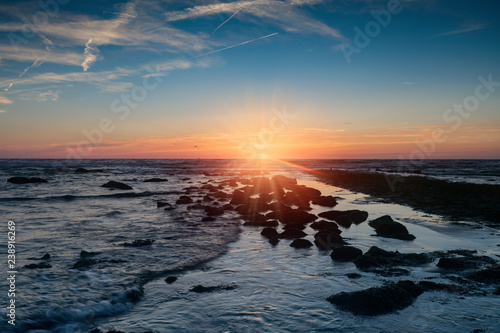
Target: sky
x=289 y=79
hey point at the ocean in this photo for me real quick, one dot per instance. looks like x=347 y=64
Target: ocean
x=274 y=288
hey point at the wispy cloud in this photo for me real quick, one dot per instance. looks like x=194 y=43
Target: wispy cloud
x=2 y=111
x=278 y=13
x=5 y=100
x=469 y=28
x=90 y=53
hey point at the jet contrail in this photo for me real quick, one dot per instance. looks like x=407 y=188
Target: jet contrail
x=230 y=47
x=236 y=12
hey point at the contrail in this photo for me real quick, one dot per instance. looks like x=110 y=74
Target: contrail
x=230 y=47
x=236 y=12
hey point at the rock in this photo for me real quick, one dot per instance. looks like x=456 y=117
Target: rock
x=292 y=234
x=457 y=263
x=304 y=191
x=255 y=220
x=208 y=219
x=269 y=232
x=345 y=218
x=227 y=207
x=294 y=226
x=238 y=197
x=184 y=200
x=328 y=240
x=207 y=198
x=345 y=253
x=117 y=185
x=214 y=211
x=85 y=254
x=201 y=289
x=274 y=241
x=488 y=275
x=40 y=265
x=156 y=180
x=140 y=242
x=325 y=201
x=385 y=226
x=376 y=257
x=296 y=216
x=283 y=181
x=353 y=275
x=261 y=185
x=378 y=300
x=24 y=180
x=434 y=286
x=160 y=204
x=84 y=262
x=171 y=279
x=185 y=179
x=83 y=170
x=301 y=243
x=325 y=225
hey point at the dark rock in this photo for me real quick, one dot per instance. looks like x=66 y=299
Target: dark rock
x=134 y=294
x=156 y=180
x=24 y=180
x=353 y=275
x=269 y=232
x=296 y=216
x=488 y=275
x=198 y=206
x=325 y=225
x=117 y=185
x=208 y=198
x=345 y=253
x=160 y=204
x=390 y=271
x=434 y=286
x=140 y=242
x=345 y=218
x=40 y=265
x=301 y=243
x=378 y=300
x=274 y=241
x=184 y=200
x=214 y=211
x=227 y=207
x=201 y=289
x=376 y=257
x=171 y=279
x=185 y=179
x=84 y=262
x=304 y=191
x=208 y=219
x=46 y=256
x=238 y=197
x=328 y=240
x=460 y=263
x=292 y=234
x=85 y=254
x=325 y=201
x=83 y=170
x=385 y=226
x=282 y=181
x=261 y=185
x=255 y=220
x=294 y=226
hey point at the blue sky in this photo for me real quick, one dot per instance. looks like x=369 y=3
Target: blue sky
x=222 y=70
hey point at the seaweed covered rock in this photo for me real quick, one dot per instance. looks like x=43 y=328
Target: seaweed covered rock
x=378 y=300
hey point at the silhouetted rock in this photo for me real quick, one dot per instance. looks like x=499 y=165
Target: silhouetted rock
x=328 y=239
x=117 y=185
x=140 y=242
x=238 y=197
x=292 y=234
x=325 y=225
x=487 y=275
x=171 y=279
x=345 y=218
x=24 y=180
x=353 y=275
x=214 y=211
x=378 y=300
x=84 y=262
x=325 y=201
x=85 y=254
x=227 y=207
x=296 y=216
x=301 y=243
x=39 y=265
x=160 y=204
x=376 y=257
x=156 y=180
x=201 y=289
x=385 y=226
x=184 y=200
x=274 y=241
x=283 y=181
x=269 y=232
x=208 y=219
x=345 y=253
x=83 y=170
